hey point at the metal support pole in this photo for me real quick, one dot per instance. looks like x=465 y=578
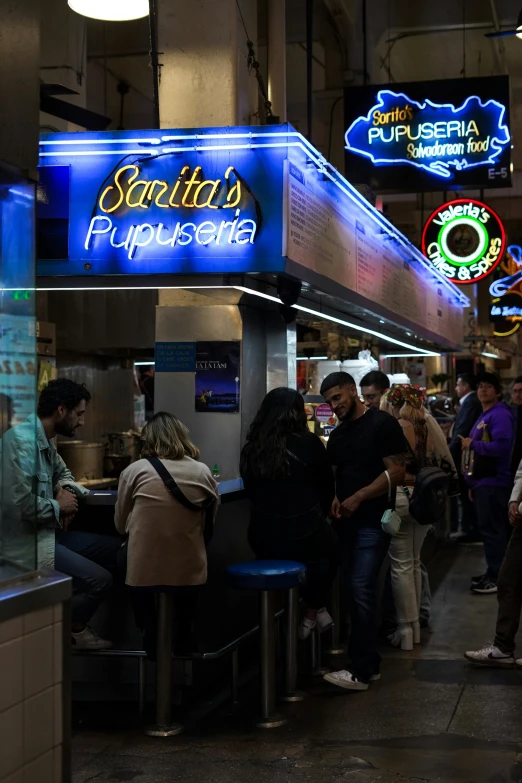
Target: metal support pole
x=318 y=670
x=291 y=694
x=309 y=66
x=234 y=678
x=142 y=684
x=269 y=719
x=153 y=33
x=336 y=648
x=164 y=726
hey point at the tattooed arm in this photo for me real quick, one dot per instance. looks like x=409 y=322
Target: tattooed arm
x=396 y=467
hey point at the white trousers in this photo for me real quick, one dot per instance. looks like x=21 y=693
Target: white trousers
x=406 y=575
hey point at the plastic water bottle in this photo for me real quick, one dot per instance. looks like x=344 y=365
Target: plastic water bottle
x=215 y=473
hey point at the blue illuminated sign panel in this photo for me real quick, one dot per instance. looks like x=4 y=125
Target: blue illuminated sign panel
x=438 y=133
x=124 y=203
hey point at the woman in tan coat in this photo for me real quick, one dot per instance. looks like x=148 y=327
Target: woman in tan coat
x=166 y=546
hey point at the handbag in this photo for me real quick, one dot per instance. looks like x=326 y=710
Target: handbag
x=391 y=521
x=176 y=493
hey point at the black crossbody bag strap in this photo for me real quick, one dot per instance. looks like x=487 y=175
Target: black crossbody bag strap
x=171 y=485
x=176 y=492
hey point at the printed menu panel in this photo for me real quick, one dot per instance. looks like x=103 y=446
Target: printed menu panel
x=318 y=236
x=340 y=241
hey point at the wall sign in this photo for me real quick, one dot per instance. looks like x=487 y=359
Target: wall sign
x=146 y=203
x=454 y=131
x=505 y=311
x=175 y=357
x=218 y=376
x=464 y=239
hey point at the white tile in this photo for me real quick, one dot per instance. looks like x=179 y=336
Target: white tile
x=41 y=770
x=58 y=715
x=11 y=673
x=38 y=725
x=12 y=734
x=38 y=661
x=58 y=752
x=11 y=629
x=58 y=613
x=39 y=619
x=58 y=652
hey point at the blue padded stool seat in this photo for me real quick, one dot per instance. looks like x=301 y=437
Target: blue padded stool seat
x=266 y=575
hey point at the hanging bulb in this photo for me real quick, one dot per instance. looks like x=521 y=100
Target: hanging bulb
x=519 y=25
x=111 y=10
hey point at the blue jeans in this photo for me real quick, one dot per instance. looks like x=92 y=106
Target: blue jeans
x=491 y=504
x=363 y=550
x=91 y=559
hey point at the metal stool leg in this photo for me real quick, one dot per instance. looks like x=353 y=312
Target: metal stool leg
x=142 y=684
x=291 y=694
x=164 y=726
x=269 y=719
x=234 y=678
x=318 y=670
x=337 y=648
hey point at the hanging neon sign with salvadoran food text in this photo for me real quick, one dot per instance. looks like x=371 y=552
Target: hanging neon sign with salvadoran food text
x=131 y=193
x=437 y=137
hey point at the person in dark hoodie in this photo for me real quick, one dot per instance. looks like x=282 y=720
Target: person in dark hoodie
x=488 y=475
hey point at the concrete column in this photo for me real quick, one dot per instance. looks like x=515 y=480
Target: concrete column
x=204 y=78
x=281 y=346
x=63 y=57
x=19 y=87
x=277 y=57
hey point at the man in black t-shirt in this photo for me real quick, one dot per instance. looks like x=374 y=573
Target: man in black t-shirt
x=367 y=444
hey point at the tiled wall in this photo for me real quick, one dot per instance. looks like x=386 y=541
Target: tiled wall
x=31 y=666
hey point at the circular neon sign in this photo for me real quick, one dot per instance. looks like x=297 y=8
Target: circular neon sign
x=464 y=239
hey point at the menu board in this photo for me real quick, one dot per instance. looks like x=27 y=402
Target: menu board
x=343 y=243
x=318 y=236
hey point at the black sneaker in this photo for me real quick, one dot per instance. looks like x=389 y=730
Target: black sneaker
x=475 y=580
x=486 y=587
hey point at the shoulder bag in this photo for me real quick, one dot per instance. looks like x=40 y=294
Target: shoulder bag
x=391 y=521
x=176 y=493
x=428 y=499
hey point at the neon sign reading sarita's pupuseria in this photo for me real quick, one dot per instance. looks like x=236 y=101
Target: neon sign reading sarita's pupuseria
x=436 y=137
x=130 y=194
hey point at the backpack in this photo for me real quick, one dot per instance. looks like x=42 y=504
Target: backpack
x=428 y=500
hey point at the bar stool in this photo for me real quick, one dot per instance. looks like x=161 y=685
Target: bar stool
x=164 y=727
x=267 y=576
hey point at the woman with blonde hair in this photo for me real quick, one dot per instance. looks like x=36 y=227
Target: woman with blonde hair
x=167 y=501
x=404 y=402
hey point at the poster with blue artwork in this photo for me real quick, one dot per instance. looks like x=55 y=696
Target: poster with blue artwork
x=218 y=374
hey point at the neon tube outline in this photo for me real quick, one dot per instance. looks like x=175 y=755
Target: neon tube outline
x=444 y=172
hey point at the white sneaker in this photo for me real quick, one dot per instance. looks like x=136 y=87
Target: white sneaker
x=518 y=663
x=346 y=680
x=89 y=640
x=305 y=628
x=489 y=655
x=375 y=677
x=324 y=620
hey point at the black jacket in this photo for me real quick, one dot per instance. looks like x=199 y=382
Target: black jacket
x=466 y=418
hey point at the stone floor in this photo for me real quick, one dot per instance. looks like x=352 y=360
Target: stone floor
x=431 y=718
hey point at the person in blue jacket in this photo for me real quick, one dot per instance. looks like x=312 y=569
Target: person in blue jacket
x=488 y=475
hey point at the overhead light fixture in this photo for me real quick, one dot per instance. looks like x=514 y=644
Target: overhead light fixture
x=246 y=290
x=111 y=10
x=406 y=355
x=144 y=364
x=490 y=355
x=311 y=358
x=505 y=33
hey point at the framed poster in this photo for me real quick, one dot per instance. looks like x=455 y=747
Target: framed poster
x=218 y=376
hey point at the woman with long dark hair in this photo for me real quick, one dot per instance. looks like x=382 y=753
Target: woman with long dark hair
x=290 y=483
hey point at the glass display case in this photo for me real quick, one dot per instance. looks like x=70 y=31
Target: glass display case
x=18 y=376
